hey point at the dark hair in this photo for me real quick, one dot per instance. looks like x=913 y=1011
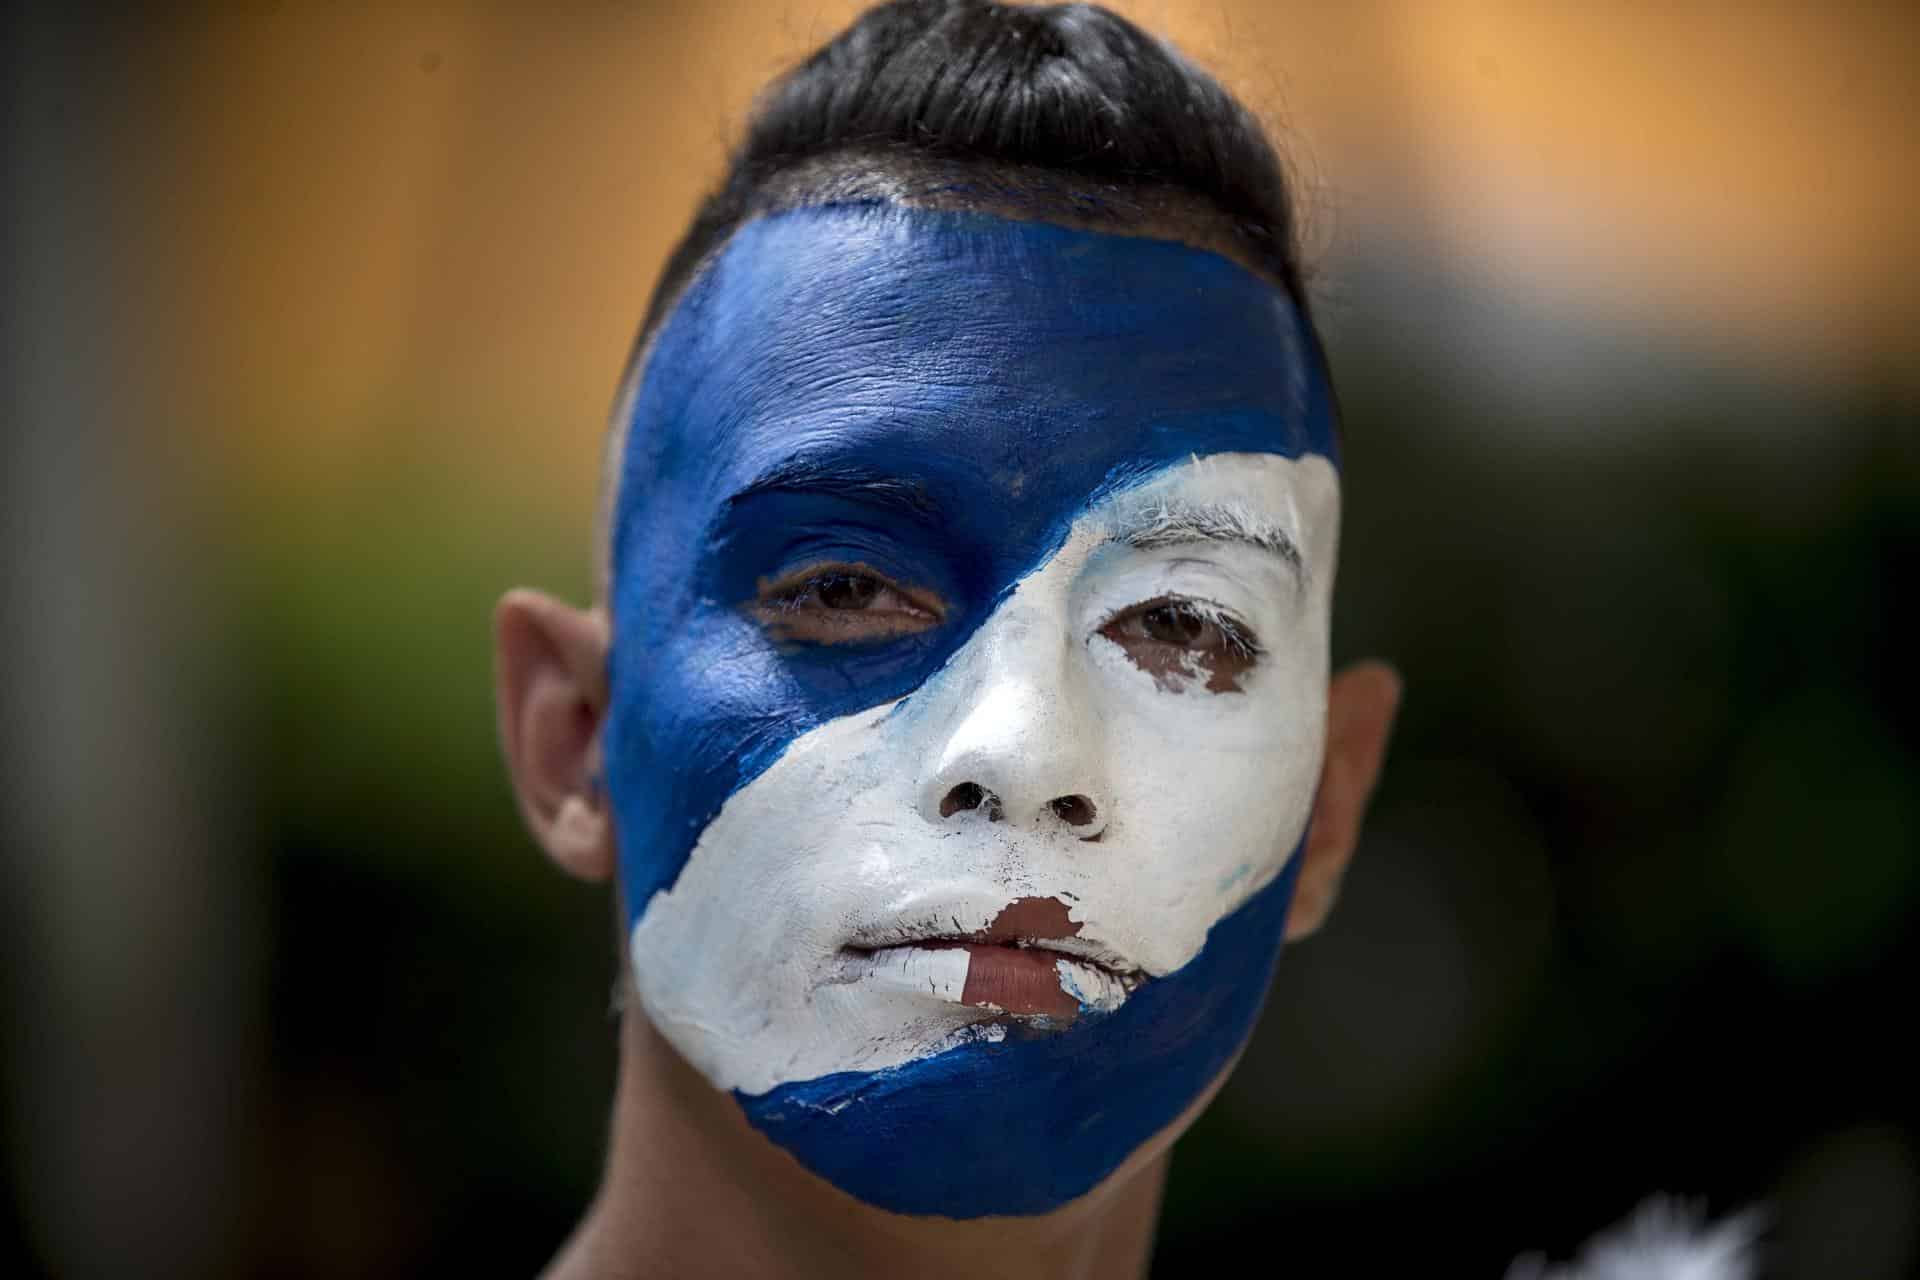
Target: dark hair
x=1070 y=90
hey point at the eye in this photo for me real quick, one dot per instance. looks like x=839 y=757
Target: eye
x=1179 y=641
x=842 y=604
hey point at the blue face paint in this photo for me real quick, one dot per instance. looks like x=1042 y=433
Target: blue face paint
x=1040 y=1121
x=939 y=396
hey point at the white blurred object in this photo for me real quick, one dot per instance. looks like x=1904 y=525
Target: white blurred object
x=1663 y=1239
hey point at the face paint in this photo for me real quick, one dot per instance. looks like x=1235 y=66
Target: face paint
x=967 y=910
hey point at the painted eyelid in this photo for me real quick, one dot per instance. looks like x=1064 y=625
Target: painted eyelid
x=1109 y=597
x=1228 y=572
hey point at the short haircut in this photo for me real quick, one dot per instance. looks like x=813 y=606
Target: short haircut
x=1070 y=90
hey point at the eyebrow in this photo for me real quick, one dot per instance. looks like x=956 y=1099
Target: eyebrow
x=1173 y=524
x=837 y=478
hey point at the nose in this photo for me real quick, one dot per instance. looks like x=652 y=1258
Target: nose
x=1075 y=810
x=1024 y=747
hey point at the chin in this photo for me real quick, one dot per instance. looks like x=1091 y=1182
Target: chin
x=1027 y=1121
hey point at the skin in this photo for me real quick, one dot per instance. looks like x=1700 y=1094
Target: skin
x=689 y=1186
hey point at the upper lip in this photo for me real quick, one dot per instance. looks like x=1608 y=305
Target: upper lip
x=1087 y=950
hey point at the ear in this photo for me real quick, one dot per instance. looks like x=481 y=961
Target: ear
x=550 y=664
x=1361 y=702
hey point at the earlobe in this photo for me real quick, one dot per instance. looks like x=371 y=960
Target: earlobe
x=550 y=689
x=1361 y=703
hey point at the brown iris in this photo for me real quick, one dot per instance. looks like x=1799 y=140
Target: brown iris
x=1180 y=641
x=842 y=604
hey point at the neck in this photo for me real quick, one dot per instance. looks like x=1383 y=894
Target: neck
x=692 y=1189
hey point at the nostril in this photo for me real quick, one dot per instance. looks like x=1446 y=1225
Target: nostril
x=1075 y=811
x=970 y=795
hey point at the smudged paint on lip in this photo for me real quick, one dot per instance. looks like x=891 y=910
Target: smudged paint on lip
x=938 y=973
x=1000 y=978
x=1029 y=960
x=1093 y=990
x=1025 y=982
x=1029 y=919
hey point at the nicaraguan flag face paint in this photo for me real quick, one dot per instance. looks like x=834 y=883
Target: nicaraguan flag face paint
x=971 y=594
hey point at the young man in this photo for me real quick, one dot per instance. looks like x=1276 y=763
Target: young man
x=956 y=711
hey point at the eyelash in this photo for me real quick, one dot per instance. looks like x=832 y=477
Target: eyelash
x=793 y=594
x=788 y=599
x=1240 y=638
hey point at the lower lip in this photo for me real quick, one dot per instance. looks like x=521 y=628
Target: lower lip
x=1025 y=981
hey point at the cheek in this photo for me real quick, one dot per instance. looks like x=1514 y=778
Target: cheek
x=741 y=962
x=703 y=690
x=694 y=708
x=1227 y=762
x=1212 y=792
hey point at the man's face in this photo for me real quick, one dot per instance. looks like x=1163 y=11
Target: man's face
x=971 y=593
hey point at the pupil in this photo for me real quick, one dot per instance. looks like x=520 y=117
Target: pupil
x=843 y=591
x=1172 y=625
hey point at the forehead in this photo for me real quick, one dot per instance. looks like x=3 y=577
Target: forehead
x=989 y=366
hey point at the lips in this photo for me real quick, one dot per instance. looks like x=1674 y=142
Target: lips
x=1029 y=962
x=999 y=978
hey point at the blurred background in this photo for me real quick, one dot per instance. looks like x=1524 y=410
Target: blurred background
x=314 y=314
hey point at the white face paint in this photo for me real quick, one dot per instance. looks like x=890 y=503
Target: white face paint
x=785 y=949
